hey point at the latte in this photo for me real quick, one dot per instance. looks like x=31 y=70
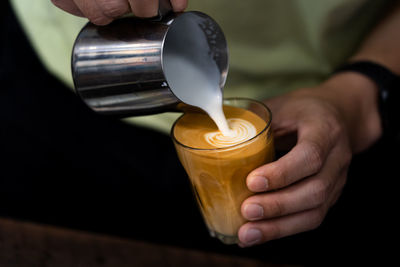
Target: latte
x=218 y=164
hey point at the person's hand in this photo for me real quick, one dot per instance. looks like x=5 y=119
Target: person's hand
x=102 y=12
x=329 y=123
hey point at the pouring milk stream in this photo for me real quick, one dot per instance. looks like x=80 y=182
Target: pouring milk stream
x=194 y=78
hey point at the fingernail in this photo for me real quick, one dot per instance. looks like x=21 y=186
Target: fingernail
x=251 y=237
x=253 y=211
x=259 y=183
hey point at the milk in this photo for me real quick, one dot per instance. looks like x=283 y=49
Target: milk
x=191 y=71
x=197 y=88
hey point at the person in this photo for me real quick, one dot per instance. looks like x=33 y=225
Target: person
x=320 y=126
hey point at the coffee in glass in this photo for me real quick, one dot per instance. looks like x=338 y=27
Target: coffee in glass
x=218 y=165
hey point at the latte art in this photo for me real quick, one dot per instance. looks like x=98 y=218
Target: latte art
x=241 y=130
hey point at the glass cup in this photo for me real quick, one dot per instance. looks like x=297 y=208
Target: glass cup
x=218 y=176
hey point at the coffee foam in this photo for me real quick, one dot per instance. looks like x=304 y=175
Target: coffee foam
x=240 y=131
x=193 y=129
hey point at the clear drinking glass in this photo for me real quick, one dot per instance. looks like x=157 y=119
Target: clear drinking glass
x=218 y=176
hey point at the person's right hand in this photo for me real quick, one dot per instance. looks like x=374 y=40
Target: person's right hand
x=320 y=127
x=102 y=12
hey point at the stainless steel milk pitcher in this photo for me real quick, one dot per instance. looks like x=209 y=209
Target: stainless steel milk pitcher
x=118 y=68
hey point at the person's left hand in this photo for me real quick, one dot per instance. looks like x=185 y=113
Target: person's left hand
x=303 y=184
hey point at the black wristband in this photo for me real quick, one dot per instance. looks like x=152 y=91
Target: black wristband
x=389 y=93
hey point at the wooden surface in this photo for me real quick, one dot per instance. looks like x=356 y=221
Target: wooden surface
x=29 y=244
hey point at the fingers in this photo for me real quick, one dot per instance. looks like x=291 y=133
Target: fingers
x=260 y=231
x=308 y=194
x=102 y=12
x=179 y=5
x=113 y=8
x=148 y=8
x=144 y=8
x=68 y=6
x=313 y=192
x=253 y=233
x=297 y=208
x=92 y=11
x=305 y=159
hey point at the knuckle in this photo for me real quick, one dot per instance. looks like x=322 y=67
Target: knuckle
x=347 y=156
x=319 y=193
x=336 y=130
x=317 y=218
x=332 y=125
x=345 y=164
x=100 y=20
x=278 y=177
x=313 y=157
x=112 y=10
x=273 y=231
x=274 y=208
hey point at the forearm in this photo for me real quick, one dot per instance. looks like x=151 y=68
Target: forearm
x=355 y=94
x=382 y=45
x=356 y=98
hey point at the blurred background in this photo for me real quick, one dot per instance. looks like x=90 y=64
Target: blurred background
x=64 y=166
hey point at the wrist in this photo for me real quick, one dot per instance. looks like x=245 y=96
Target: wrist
x=356 y=98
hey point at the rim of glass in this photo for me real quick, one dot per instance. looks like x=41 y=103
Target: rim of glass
x=232 y=146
